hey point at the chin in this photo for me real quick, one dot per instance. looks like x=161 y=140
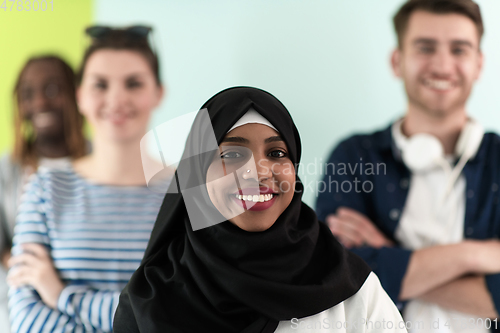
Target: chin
x=253 y=225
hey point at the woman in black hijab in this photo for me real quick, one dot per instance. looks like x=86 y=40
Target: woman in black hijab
x=234 y=249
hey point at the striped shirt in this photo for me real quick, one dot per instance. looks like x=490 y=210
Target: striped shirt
x=96 y=235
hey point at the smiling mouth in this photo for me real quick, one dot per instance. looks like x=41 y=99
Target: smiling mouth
x=439 y=84
x=44 y=119
x=255 y=197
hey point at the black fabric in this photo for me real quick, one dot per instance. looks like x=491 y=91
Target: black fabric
x=222 y=278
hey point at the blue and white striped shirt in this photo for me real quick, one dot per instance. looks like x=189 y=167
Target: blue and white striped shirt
x=96 y=235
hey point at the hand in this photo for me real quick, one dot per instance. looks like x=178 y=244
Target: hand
x=34 y=267
x=353 y=229
x=483 y=256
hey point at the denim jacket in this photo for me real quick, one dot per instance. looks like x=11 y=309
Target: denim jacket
x=366 y=173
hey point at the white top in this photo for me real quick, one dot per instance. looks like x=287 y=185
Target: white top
x=370 y=310
x=427 y=221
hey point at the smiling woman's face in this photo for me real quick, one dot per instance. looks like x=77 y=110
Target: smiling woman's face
x=43 y=96
x=265 y=177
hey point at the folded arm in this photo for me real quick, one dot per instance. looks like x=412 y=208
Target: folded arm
x=467 y=294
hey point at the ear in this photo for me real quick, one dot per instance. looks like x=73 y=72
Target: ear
x=396 y=62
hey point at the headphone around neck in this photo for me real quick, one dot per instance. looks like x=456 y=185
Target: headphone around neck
x=423 y=151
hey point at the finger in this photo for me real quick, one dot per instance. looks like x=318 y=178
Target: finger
x=24 y=259
x=346 y=231
x=330 y=219
x=365 y=227
x=20 y=276
x=345 y=242
x=37 y=249
x=356 y=216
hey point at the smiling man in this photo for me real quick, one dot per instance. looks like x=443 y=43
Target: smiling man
x=430 y=227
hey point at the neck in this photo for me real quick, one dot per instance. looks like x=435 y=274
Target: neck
x=113 y=163
x=51 y=147
x=445 y=127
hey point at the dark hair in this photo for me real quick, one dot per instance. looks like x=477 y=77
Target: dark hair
x=120 y=39
x=24 y=152
x=464 y=7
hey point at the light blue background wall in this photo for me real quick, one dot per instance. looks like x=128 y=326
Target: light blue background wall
x=326 y=60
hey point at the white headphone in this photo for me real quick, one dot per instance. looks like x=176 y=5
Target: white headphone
x=423 y=151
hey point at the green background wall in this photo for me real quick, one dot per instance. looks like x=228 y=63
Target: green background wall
x=24 y=34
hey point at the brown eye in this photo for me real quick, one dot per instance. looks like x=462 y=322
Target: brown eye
x=26 y=94
x=230 y=155
x=277 y=154
x=100 y=85
x=426 y=49
x=133 y=84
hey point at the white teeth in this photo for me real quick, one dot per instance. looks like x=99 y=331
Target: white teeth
x=255 y=198
x=44 y=119
x=439 y=84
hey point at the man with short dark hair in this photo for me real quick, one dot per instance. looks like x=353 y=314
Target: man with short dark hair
x=430 y=225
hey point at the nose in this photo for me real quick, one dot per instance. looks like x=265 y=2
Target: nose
x=443 y=62
x=40 y=100
x=258 y=169
x=116 y=98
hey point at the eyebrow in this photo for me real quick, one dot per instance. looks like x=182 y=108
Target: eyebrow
x=50 y=79
x=276 y=138
x=129 y=76
x=239 y=139
x=433 y=41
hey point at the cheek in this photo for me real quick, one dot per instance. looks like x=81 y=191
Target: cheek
x=24 y=110
x=412 y=67
x=217 y=184
x=285 y=176
x=89 y=103
x=60 y=102
x=144 y=101
x=469 y=70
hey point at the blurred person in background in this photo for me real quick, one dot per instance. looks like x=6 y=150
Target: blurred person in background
x=81 y=233
x=48 y=132
x=430 y=221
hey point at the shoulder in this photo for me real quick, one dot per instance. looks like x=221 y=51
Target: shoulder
x=491 y=143
x=488 y=155
x=369 y=291
x=365 y=311
x=363 y=142
x=50 y=180
x=8 y=168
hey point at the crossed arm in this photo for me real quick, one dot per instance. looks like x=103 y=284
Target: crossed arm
x=438 y=274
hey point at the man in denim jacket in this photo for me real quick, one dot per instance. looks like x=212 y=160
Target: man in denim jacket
x=425 y=214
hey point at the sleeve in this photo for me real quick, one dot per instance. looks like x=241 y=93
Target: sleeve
x=77 y=305
x=371 y=310
x=342 y=184
x=90 y=307
x=493 y=285
x=336 y=187
x=390 y=264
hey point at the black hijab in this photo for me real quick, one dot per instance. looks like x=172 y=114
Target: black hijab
x=222 y=278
